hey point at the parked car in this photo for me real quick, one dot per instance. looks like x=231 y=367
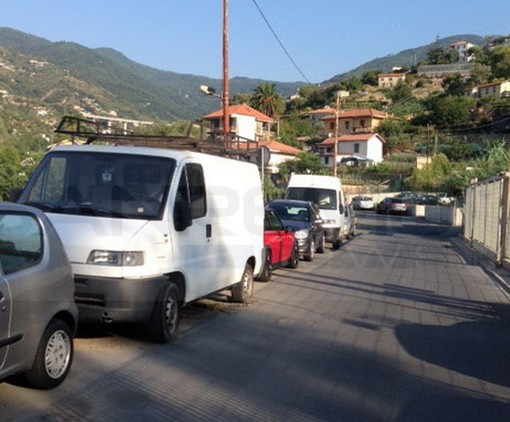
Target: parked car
x=428 y=199
x=38 y=315
x=362 y=203
x=281 y=247
x=392 y=206
x=304 y=218
x=444 y=199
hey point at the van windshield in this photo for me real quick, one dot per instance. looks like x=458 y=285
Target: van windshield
x=101 y=184
x=324 y=198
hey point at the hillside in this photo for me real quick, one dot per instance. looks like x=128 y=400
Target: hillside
x=65 y=74
x=41 y=80
x=405 y=58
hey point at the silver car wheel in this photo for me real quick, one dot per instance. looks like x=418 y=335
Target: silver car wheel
x=57 y=354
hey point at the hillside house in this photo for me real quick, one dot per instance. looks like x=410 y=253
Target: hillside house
x=354 y=121
x=246 y=123
x=390 y=80
x=499 y=89
x=462 y=48
x=279 y=153
x=366 y=146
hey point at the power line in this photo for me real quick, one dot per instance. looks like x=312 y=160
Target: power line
x=279 y=42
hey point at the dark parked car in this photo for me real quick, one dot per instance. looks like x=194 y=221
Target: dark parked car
x=427 y=200
x=304 y=218
x=281 y=248
x=392 y=206
x=38 y=315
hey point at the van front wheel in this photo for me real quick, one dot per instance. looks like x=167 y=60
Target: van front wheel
x=164 y=324
x=242 y=291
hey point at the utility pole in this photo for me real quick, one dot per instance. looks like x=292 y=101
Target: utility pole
x=225 y=95
x=335 y=143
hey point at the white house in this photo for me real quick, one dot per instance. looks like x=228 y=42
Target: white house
x=499 y=89
x=245 y=122
x=358 y=145
x=462 y=48
x=248 y=124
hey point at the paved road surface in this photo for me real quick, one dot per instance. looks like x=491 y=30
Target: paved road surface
x=396 y=326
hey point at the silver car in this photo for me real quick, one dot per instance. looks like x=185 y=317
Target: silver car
x=38 y=316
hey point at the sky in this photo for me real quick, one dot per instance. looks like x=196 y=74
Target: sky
x=276 y=40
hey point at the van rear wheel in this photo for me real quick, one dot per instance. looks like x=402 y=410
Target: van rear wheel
x=242 y=291
x=164 y=324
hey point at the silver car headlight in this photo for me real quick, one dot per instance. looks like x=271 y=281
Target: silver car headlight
x=116 y=258
x=302 y=234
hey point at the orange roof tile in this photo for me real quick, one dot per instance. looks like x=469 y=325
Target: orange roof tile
x=278 y=147
x=242 y=109
x=370 y=112
x=357 y=137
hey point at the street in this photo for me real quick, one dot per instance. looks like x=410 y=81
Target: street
x=397 y=325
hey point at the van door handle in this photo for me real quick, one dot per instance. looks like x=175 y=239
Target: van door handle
x=208 y=230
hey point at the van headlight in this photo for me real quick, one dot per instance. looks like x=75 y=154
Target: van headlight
x=301 y=234
x=116 y=258
x=329 y=222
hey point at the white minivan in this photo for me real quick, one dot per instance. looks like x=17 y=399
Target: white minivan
x=327 y=193
x=148 y=230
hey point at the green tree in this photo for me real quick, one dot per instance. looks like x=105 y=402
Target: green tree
x=304 y=163
x=401 y=92
x=449 y=111
x=500 y=62
x=438 y=55
x=453 y=84
x=267 y=100
x=370 y=77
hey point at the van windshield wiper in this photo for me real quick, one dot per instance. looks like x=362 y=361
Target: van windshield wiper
x=68 y=208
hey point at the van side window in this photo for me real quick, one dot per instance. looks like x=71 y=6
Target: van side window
x=196 y=190
x=192 y=190
x=21 y=242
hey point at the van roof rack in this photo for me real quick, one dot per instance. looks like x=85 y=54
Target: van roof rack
x=93 y=131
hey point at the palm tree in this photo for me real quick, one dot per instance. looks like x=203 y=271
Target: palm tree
x=267 y=100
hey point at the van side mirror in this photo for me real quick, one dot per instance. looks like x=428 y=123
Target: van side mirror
x=182 y=216
x=341 y=208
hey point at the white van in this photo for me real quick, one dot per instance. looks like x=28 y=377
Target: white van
x=148 y=230
x=327 y=193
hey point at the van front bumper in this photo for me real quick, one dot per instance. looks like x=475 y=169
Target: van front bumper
x=116 y=299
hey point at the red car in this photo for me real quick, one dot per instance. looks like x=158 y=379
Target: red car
x=281 y=249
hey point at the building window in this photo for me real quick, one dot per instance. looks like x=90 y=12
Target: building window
x=346 y=125
x=356 y=148
x=326 y=160
x=362 y=123
x=332 y=125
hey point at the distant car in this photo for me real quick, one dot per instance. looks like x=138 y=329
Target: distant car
x=362 y=203
x=444 y=199
x=38 y=315
x=427 y=200
x=392 y=206
x=281 y=248
x=304 y=218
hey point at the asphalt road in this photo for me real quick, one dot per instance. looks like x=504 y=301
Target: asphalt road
x=398 y=325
